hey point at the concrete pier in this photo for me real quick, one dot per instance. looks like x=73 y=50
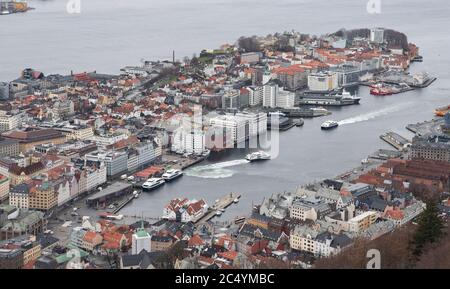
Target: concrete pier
x=221 y=204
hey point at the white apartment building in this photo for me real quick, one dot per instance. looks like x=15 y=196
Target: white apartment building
x=270 y=93
x=146 y=153
x=255 y=95
x=63 y=108
x=106 y=140
x=63 y=189
x=195 y=142
x=18 y=196
x=95 y=176
x=189 y=141
x=116 y=162
x=323 y=81
x=233 y=127
x=274 y=96
x=158 y=147
x=132 y=163
x=309 y=208
x=8 y=121
x=377 y=35
x=257 y=122
x=240 y=126
x=285 y=99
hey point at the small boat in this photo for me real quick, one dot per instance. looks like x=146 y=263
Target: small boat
x=239 y=220
x=257 y=156
x=171 y=175
x=299 y=122
x=206 y=153
x=442 y=111
x=218 y=213
x=277 y=113
x=381 y=91
x=152 y=183
x=365 y=161
x=319 y=111
x=329 y=124
x=236 y=201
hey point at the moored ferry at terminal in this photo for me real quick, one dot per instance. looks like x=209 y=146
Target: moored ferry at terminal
x=345 y=98
x=305 y=112
x=10 y=7
x=152 y=183
x=172 y=174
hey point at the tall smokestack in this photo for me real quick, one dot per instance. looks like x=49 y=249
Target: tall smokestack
x=173 y=56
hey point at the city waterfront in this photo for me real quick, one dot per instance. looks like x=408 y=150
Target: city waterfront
x=73 y=42
x=118 y=122
x=306 y=154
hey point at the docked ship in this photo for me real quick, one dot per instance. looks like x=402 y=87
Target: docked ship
x=282 y=122
x=442 y=111
x=299 y=122
x=171 y=175
x=13 y=6
x=305 y=112
x=345 y=98
x=239 y=220
x=329 y=124
x=382 y=89
x=319 y=111
x=257 y=156
x=152 y=183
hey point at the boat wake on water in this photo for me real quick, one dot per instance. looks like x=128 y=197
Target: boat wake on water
x=374 y=114
x=215 y=171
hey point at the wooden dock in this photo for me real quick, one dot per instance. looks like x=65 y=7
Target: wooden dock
x=221 y=204
x=395 y=140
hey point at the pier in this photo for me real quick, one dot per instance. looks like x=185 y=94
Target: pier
x=123 y=204
x=426 y=127
x=395 y=140
x=221 y=204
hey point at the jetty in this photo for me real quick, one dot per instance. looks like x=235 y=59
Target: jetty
x=395 y=140
x=220 y=204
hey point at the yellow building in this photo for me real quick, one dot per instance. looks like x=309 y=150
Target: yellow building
x=77 y=132
x=362 y=221
x=43 y=197
x=32 y=252
x=259 y=221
